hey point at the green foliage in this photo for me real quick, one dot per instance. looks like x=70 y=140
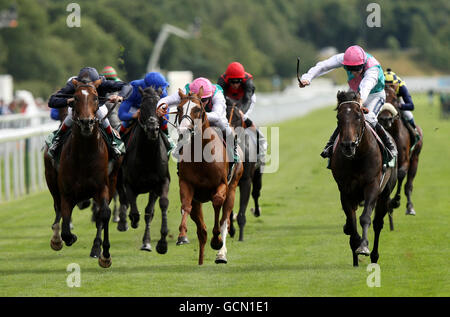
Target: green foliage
x=265 y=35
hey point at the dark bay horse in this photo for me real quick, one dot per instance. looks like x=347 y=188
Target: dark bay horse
x=145 y=169
x=252 y=176
x=408 y=160
x=357 y=169
x=203 y=172
x=84 y=172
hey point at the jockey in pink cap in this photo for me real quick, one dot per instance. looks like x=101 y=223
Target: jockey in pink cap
x=365 y=76
x=216 y=110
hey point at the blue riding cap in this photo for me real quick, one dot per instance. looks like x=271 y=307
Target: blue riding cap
x=156 y=80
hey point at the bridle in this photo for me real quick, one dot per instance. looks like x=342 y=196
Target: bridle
x=187 y=115
x=95 y=120
x=363 y=128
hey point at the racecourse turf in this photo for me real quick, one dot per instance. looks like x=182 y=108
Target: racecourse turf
x=296 y=248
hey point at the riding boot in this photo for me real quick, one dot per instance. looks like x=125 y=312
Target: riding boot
x=327 y=151
x=167 y=141
x=411 y=125
x=55 y=147
x=262 y=147
x=388 y=143
x=117 y=145
x=235 y=155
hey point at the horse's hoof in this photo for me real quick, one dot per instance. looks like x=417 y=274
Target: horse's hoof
x=410 y=212
x=116 y=219
x=134 y=225
x=256 y=212
x=182 y=240
x=104 y=262
x=122 y=226
x=216 y=245
x=72 y=240
x=395 y=203
x=221 y=259
x=95 y=252
x=56 y=245
x=161 y=247
x=363 y=251
x=146 y=247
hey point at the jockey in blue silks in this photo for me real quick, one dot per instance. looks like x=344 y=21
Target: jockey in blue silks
x=129 y=109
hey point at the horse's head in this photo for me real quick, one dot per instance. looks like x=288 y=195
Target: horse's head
x=191 y=112
x=148 y=120
x=85 y=106
x=351 y=122
x=233 y=115
x=387 y=115
x=391 y=95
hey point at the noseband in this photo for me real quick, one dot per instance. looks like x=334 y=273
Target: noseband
x=363 y=128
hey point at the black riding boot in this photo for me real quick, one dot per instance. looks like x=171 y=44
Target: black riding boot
x=390 y=145
x=327 y=151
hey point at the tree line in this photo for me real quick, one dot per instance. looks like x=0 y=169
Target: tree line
x=266 y=36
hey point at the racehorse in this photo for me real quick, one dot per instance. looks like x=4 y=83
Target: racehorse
x=204 y=179
x=145 y=169
x=251 y=176
x=356 y=164
x=408 y=159
x=83 y=173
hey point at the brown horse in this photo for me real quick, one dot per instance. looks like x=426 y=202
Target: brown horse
x=83 y=173
x=390 y=118
x=203 y=172
x=357 y=169
x=252 y=176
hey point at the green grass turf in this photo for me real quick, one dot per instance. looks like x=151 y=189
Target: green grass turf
x=296 y=248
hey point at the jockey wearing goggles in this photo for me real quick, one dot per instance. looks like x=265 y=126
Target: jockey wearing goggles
x=366 y=77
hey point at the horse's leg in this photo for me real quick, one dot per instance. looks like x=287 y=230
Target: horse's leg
x=370 y=197
x=218 y=200
x=116 y=210
x=149 y=211
x=66 y=213
x=244 y=189
x=161 y=247
x=232 y=228
x=186 y=195
x=122 y=224
x=381 y=209
x=104 y=215
x=395 y=203
x=350 y=227
x=226 y=211
x=97 y=244
x=134 y=212
x=256 y=190
x=414 y=162
x=56 y=241
x=202 y=235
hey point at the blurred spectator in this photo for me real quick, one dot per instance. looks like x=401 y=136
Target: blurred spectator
x=3 y=107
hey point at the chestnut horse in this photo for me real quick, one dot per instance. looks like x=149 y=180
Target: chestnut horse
x=408 y=159
x=252 y=176
x=83 y=173
x=203 y=172
x=357 y=168
x=145 y=169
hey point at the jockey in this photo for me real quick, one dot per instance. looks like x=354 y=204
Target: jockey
x=130 y=108
x=215 y=106
x=62 y=99
x=365 y=76
x=238 y=88
x=110 y=74
x=407 y=106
